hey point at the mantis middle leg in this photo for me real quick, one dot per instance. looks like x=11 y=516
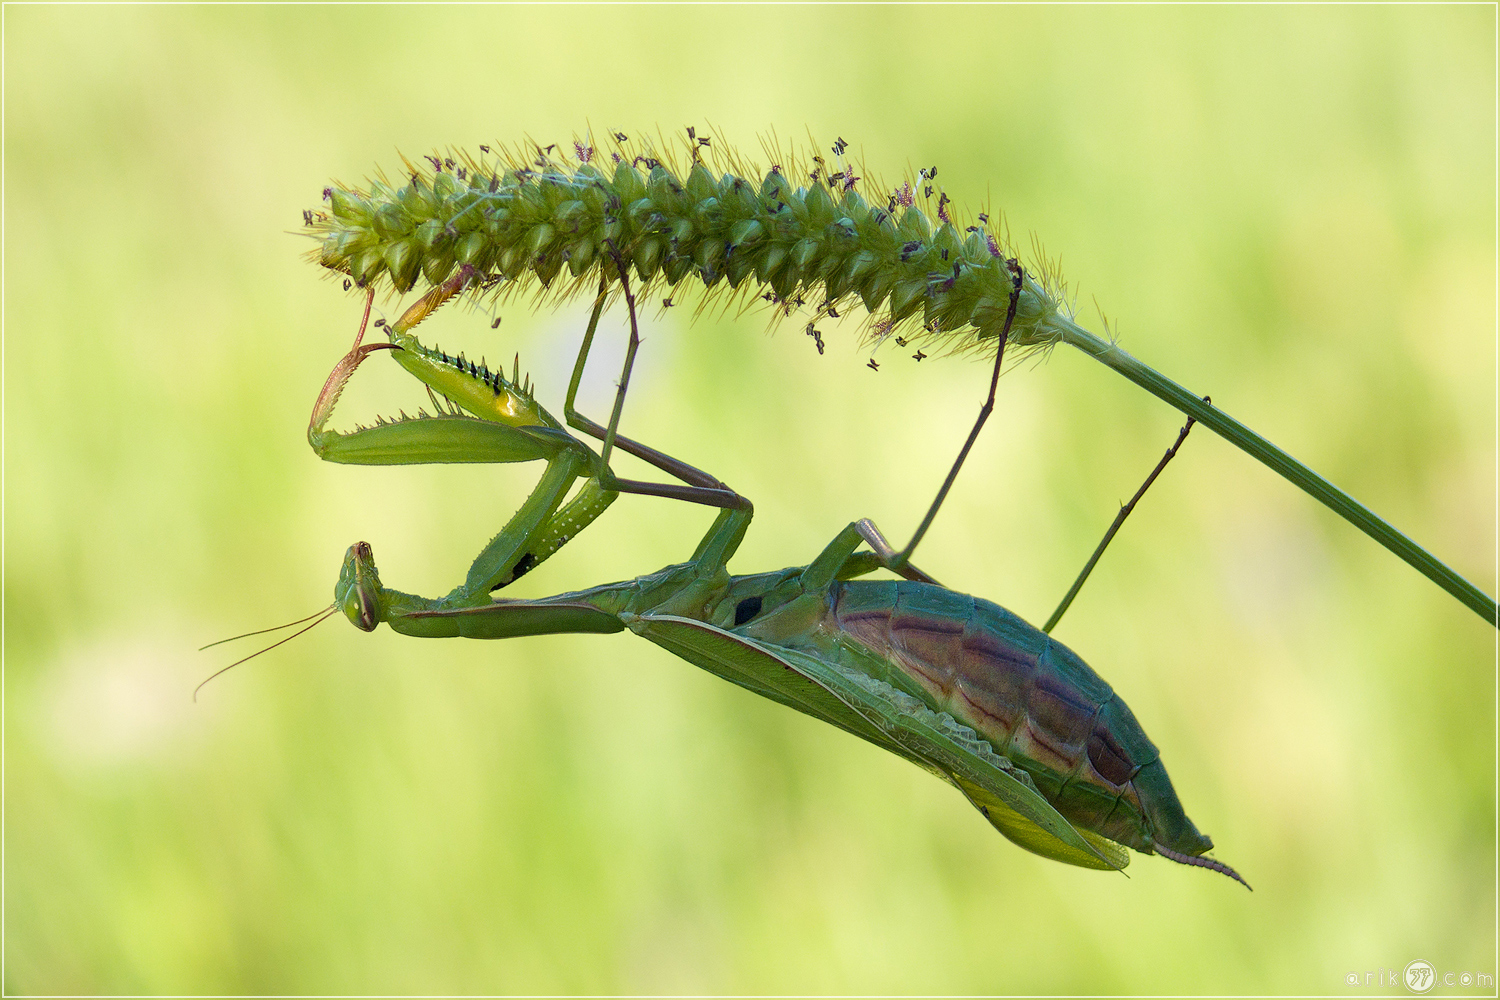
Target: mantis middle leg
x=700 y=487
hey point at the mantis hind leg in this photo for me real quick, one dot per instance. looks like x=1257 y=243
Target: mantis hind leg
x=897 y=560
x=1114 y=527
x=840 y=561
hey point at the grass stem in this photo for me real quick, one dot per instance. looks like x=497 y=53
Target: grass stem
x=1273 y=457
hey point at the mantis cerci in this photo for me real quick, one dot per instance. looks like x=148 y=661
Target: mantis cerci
x=1036 y=740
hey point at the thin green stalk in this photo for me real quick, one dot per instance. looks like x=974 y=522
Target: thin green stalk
x=1258 y=447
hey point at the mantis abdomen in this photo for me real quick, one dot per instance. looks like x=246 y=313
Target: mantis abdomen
x=1033 y=699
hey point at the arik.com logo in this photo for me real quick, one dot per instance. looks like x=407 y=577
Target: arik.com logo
x=1421 y=976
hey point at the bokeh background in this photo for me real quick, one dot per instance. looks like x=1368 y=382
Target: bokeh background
x=1289 y=208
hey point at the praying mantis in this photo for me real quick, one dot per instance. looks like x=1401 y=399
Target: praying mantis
x=1021 y=725
x=1026 y=730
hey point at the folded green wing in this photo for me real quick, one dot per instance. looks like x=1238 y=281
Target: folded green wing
x=876 y=711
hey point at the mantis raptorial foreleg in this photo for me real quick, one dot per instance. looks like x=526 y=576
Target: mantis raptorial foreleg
x=492 y=419
x=507 y=425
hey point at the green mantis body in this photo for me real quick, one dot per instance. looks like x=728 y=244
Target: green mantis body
x=963 y=688
x=1032 y=736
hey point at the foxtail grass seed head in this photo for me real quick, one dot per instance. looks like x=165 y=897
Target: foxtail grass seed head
x=807 y=233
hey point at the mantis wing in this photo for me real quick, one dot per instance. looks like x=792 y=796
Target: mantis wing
x=878 y=712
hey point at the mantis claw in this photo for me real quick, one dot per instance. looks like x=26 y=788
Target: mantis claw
x=333 y=388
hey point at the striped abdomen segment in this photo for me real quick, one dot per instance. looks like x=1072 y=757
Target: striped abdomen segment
x=1032 y=698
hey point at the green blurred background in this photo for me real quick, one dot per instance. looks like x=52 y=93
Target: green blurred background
x=1291 y=209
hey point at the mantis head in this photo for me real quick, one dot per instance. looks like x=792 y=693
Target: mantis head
x=358 y=593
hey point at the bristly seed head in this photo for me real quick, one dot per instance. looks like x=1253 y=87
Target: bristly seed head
x=709 y=219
